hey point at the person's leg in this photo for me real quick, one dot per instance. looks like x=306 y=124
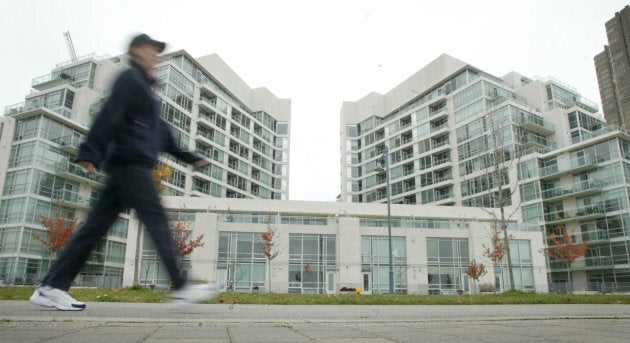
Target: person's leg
x=138 y=190
x=74 y=255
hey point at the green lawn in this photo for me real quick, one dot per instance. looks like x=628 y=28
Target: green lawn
x=143 y=294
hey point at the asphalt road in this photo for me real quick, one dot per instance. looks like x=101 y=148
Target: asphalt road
x=235 y=323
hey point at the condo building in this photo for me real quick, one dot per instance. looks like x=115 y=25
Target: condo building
x=321 y=247
x=444 y=133
x=211 y=110
x=613 y=70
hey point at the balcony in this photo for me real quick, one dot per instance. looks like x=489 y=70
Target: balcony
x=535 y=124
x=533 y=141
x=443 y=180
x=577 y=165
x=442 y=162
x=69 y=144
x=579 y=214
x=439 y=130
x=574 y=190
x=440 y=145
x=74 y=172
x=208 y=103
x=72 y=199
x=444 y=199
x=29 y=109
x=439 y=114
x=51 y=80
x=595 y=236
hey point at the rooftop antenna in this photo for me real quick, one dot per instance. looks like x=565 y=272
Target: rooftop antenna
x=73 y=54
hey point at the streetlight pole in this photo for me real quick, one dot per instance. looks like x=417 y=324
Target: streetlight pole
x=389 y=219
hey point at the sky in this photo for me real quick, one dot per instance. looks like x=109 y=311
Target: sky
x=316 y=53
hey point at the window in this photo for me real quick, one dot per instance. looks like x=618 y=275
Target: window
x=311 y=256
x=448 y=259
x=375 y=260
x=242 y=261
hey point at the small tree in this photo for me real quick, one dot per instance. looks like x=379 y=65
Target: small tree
x=475 y=271
x=59 y=231
x=562 y=247
x=184 y=245
x=267 y=242
x=499 y=245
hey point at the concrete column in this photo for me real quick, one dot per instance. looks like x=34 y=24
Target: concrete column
x=204 y=259
x=349 y=253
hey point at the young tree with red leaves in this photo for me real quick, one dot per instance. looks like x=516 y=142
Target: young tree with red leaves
x=562 y=247
x=267 y=242
x=184 y=245
x=475 y=271
x=499 y=247
x=59 y=231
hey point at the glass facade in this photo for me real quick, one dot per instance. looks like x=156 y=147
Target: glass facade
x=375 y=261
x=448 y=259
x=311 y=258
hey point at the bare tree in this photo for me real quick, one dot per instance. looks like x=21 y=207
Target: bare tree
x=504 y=142
x=267 y=242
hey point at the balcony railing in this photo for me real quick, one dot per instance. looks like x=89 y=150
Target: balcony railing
x=535 y=124
x=72 y=198
x=595 y=235
x=71 y=141
x=576 y=163
x=77 y=173
x=589 y=212
x=571 y=190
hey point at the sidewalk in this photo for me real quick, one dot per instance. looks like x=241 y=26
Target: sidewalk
x=123 y=322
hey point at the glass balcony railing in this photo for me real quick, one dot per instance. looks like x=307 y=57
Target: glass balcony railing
x=595 y=235
x=582 y=213
x=69 y=141
x=599 y=261
x=535 y=123
x=571 y=189
x=73 y=198
x=575 y=164
x=78 y=173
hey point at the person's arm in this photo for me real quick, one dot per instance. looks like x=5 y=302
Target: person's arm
x=169 y=146
x=109 y=120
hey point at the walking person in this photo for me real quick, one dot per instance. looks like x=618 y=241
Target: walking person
x=125 y=139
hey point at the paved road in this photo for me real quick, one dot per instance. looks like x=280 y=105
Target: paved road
x=124 y=322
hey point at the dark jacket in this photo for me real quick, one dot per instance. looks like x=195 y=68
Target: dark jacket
x=129 y=129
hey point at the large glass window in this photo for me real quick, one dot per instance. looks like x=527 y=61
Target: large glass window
x=522 y=269
x=448 y=259
x=375 y=260
x=311 y=256
x=242 y=261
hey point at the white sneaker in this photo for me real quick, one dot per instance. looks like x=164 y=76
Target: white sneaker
x=194 y=293
x=53 y=297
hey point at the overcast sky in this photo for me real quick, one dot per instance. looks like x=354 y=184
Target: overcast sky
x=317 y=53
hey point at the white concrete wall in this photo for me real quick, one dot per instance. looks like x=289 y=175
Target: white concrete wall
x=343 y=221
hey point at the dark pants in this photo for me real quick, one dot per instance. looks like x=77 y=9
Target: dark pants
x=129 y=186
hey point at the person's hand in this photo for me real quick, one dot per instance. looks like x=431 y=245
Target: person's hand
x=201 y=163
x=89 y=167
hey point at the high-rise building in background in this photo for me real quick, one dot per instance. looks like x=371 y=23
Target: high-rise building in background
x=613 y=70
x=243 y=131
x=443 y=127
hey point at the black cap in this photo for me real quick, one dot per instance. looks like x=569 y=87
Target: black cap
x=144 y=39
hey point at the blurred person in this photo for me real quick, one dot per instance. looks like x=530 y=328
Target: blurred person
x=125 y=139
